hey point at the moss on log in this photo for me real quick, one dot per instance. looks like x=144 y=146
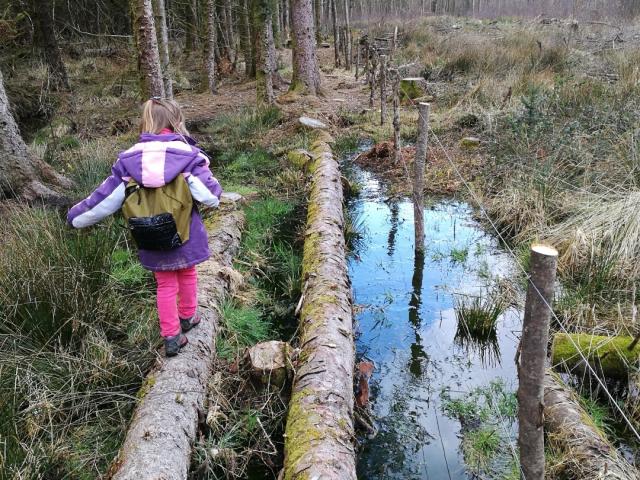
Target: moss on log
x=588 y=455
x=609 y=355
x=319 y=430
x=164 y=426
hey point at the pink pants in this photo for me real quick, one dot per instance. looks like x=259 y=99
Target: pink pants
x=183 y=286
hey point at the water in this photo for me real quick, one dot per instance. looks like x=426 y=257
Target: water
x=407 y=326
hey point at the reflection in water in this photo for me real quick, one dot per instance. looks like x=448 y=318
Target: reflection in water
x=486 y=347
x=393 y=231
x=476 y=330
x=417 y=359
x=417 y=350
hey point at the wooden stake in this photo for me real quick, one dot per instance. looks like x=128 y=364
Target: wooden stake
x=372 y=80
x=418 y=174
x=383 y=88
x=395 y=78
x=367 y=66
x=532 y=358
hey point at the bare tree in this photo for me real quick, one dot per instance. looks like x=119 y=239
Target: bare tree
x=306 y=75
x=43 y=13
x=147 y=46
x=21 y=175
x=161 y=18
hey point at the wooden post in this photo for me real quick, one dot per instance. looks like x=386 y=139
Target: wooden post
x=532 y=358
x=357 y=60
x=418 y=174
x=395 y=42
x=383 y=88
x=395 y=79
x=372 y=80
x=366 y=61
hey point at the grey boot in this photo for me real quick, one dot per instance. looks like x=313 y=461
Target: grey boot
x=188 y=323
x=172 y=345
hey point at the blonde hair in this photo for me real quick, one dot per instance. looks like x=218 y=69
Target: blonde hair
x=159 y=113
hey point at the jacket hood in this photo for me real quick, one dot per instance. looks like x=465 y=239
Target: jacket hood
x=158 y=159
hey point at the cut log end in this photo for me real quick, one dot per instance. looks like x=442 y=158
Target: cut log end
x=545 y=250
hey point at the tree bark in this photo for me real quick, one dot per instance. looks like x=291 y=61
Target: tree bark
x=246 y=40
x=383 y=89
x=147 y=46
x=319 y=432
x=165 y=423
x=211 y=46
x=161 y=17
x=21 y=175
x=306 y=75
x=418 y=175
x=317 y=22
x=347 y=36
x=589 y=455
x=532 y=358
x=336 y=39
x=264 y=50
x=43 y=12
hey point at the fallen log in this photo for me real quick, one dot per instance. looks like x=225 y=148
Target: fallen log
x=319 y=431
x=588 y=453
x=164 y=425
x=607 y=355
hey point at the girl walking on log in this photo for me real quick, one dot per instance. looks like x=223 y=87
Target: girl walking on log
x=155 y=182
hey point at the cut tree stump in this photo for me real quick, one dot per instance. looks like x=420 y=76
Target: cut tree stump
x=319 y=432
x=609 y=355
x=270 y=362
x=164 y=426
x=588 y=454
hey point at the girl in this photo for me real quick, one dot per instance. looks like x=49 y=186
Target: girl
x=163 y=152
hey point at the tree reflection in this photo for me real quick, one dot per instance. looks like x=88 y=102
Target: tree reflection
x=417 y=350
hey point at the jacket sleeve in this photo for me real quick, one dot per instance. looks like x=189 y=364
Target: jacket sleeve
x=203 y=185
x=104 y=201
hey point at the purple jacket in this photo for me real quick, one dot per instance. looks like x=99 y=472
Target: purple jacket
x=153 y=162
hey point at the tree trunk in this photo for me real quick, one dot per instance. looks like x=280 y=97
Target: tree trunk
x=607 y=355
x=211 y=46
x=277 y=25
x=306 y=76
x=246 y=39
x=262 y=23
x=336 y=39
x=161 y=18
x=164 y=426
x=43 y=12
x=319 y=432
x=588 y=454
x=317 y=22
x=21 y=175
x=347 y=36
x=147 y=45
x=285 y=21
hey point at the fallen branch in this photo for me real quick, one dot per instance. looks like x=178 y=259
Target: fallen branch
x=588 y=454
x=319 y=431
x=164 y=426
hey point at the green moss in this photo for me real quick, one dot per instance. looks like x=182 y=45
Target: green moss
x=301 y=432
x=147 y=385
x=611 y=355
